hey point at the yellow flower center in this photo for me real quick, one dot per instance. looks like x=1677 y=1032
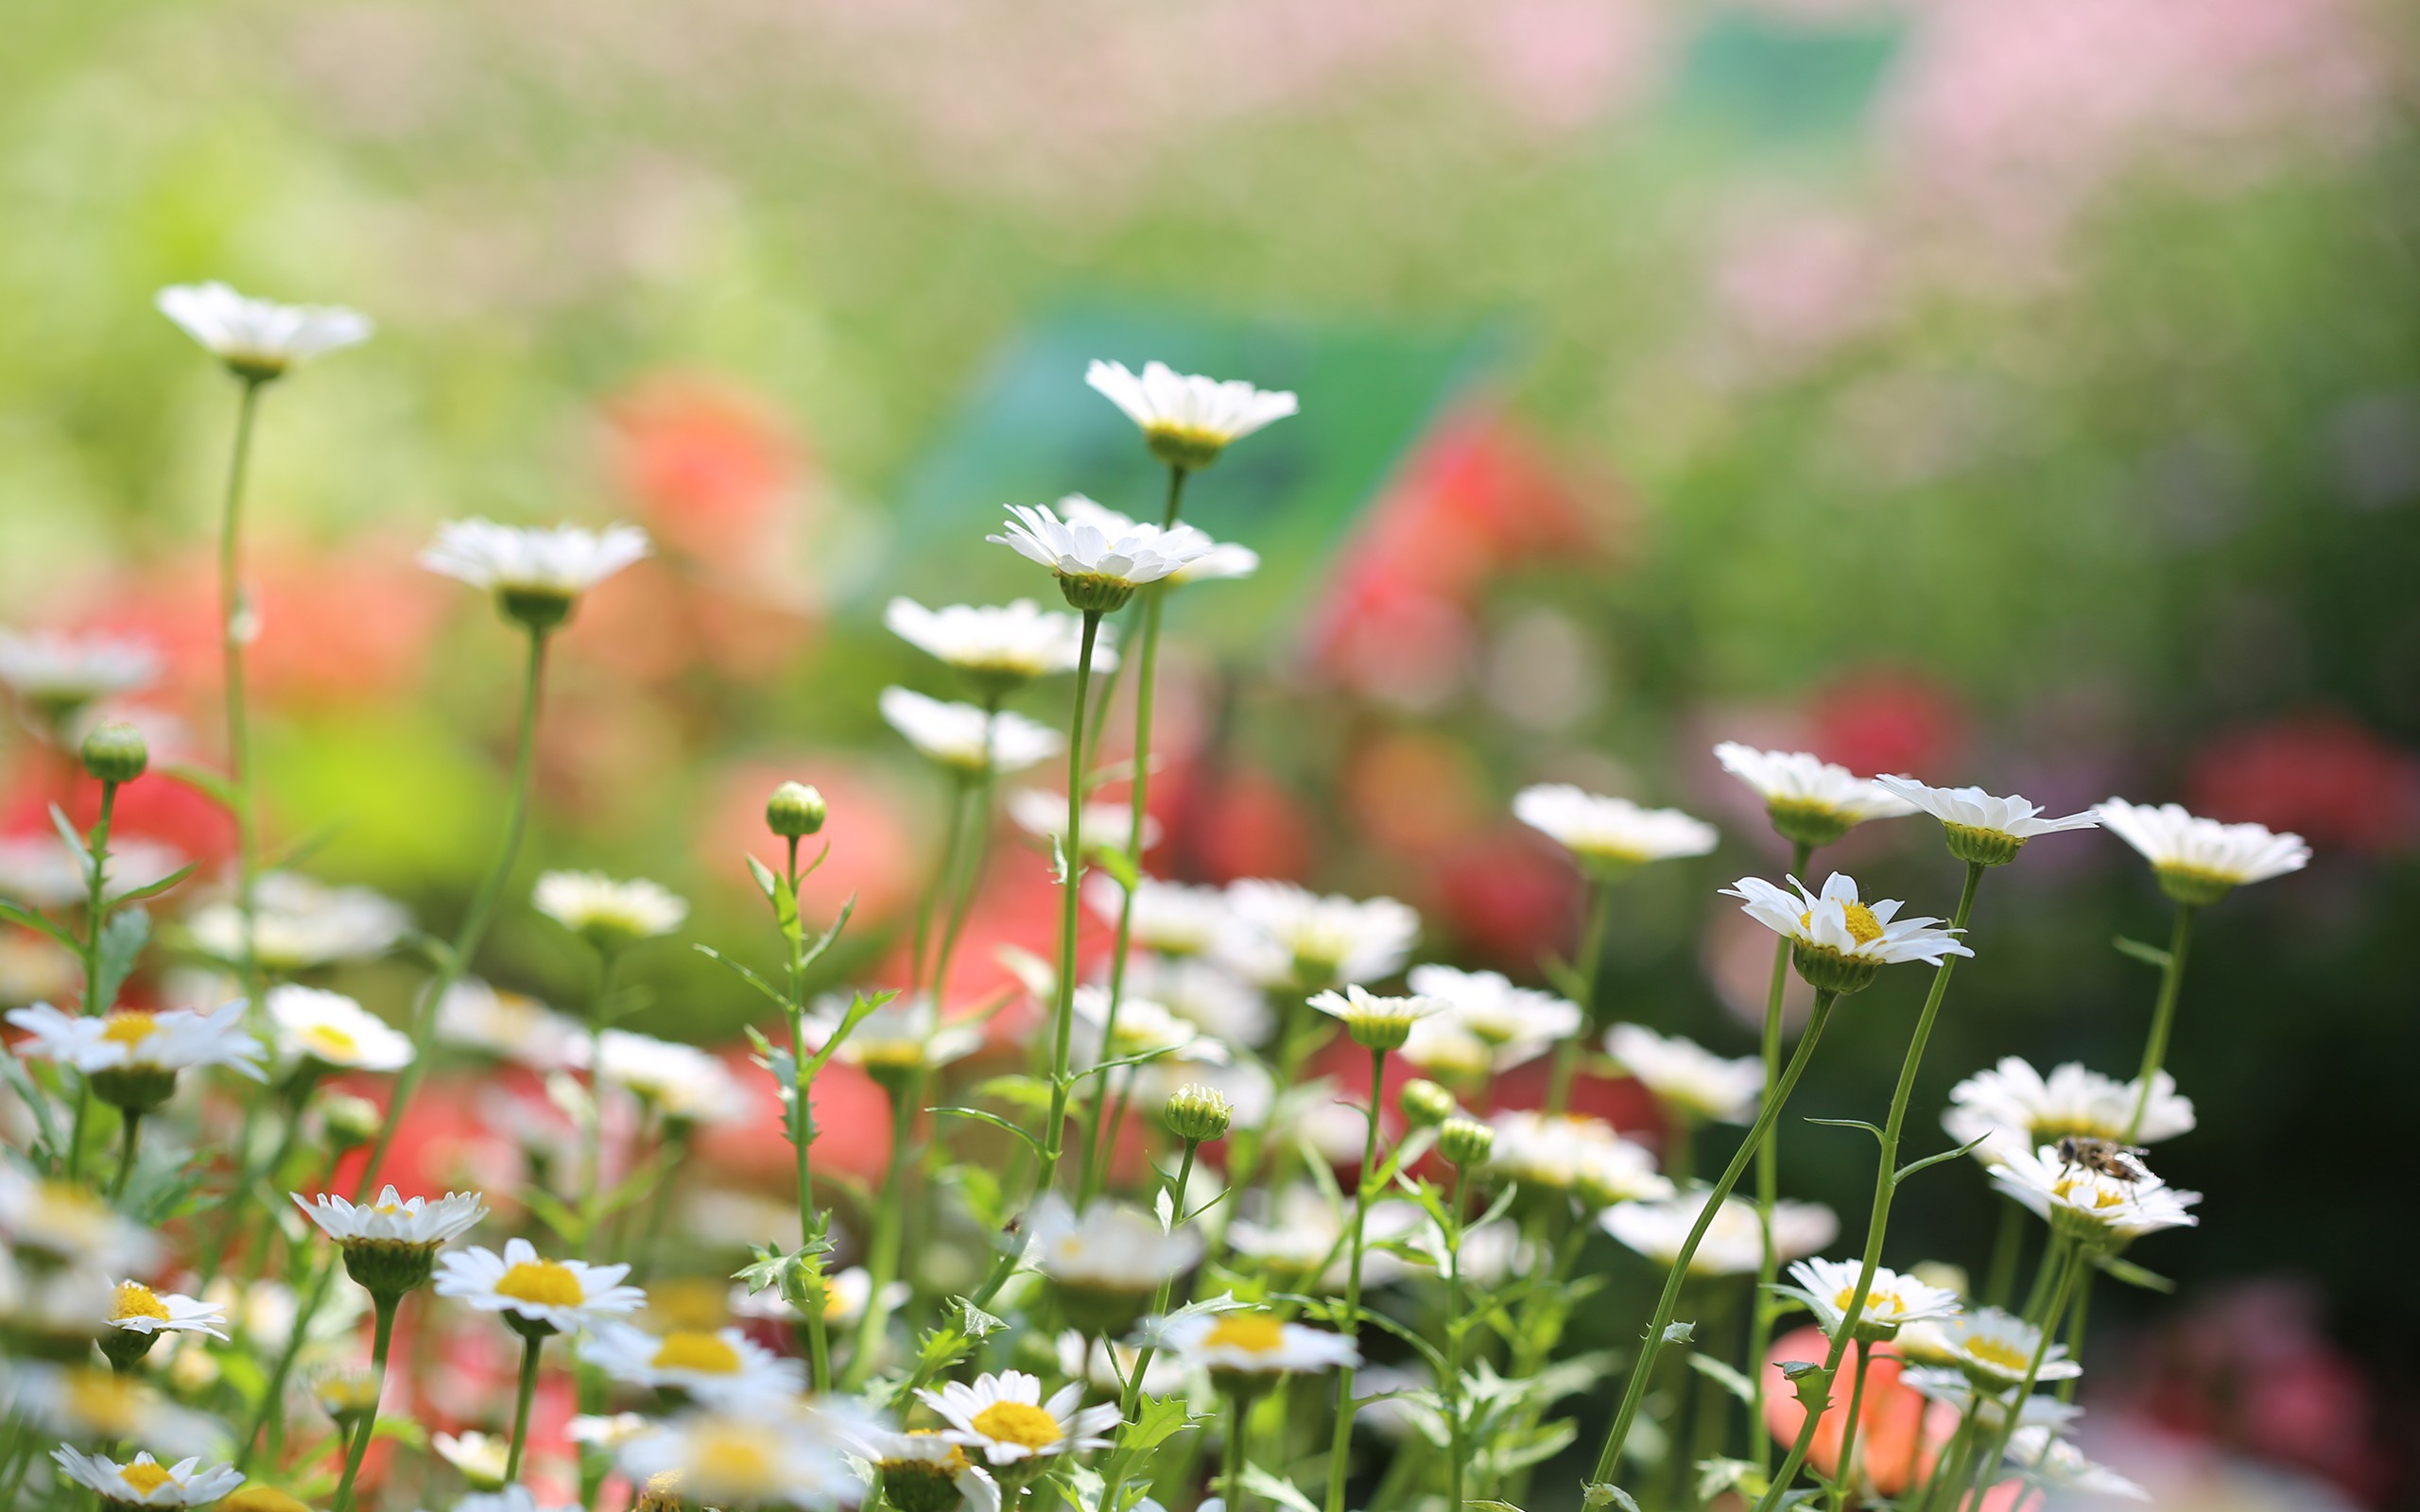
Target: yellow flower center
x=1876 y=1302
x=1863 y=927
x=691 y=1350
x=736 y=1462
x=144 y=1476
x=1256 y=1333
x=128 y=1028
x=1018 y=1422
x=2100 y=1196
x=102 y=1403
x=543 y=1283
x=331 y=1043
x=1999 y=1354
x=134 y=1300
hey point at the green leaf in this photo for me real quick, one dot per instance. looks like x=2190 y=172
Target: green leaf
x=973 y=1321
x=744 y=974
x=1277 y=1489
x=768 y=881
x=1029 y=1092
x=1493 y=1507
x=1849 y=1122
x=12 y=1071
x=34 y=919
x=1119 y=865
x=122 y=939
x=75 y=842
x=1679 y=1333
x=402 y=1430
x=135 y=895
x=1914 y=1166
x=2134 y=1274
x=2149 y=954
x=1158 y=1420
x=1724 y=1375
x=839 y=922
x=203 y=781
x=1605 y=1493
x=994 y=1119
x=1062 y=874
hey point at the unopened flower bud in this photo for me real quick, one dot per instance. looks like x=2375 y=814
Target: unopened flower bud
x=794 y=810
x=1197 y=1113
x=348 y=1120
x=116 y=752
x=1465 y=1142
x=1426 y=1104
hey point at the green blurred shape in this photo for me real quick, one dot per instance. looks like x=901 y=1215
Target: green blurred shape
x=1030 y=431
x=396 y=796
x=1783 y=82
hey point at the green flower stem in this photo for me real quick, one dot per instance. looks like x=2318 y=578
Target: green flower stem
x=2076 y=1316
x=2007 y=1250
x=945 y=875
x=271 y=1412
x=130 y=1136
x=882 y=1252
x=231 y=613
x=248 y=1175
x=2171 y=978
x=1460 y=1448
x=1951 y=1462
x=2071 y=1264
x=1133 y=1397
x=1340 y=1444
x=1592 y=951
x=1063 y=1026
x=978 y=855
x=95 y=912
x=1886 y=1183
x=819 y=1343
x=1644 y=1366
x=1231 y=1478
x=358 y=1448
x=1761 y=1309
x=527 y=1394
x=609 y=960
x=1845 y=1482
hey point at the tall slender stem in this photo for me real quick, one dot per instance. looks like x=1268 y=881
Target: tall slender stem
x=1452 y=1384
x=1340 y=1446
x=1761 y=1311
x=2070 y=1263
x=819 y=1343
x=98 y=844
x=530 y=1345
x=358 y=1448
x=1231 y=1479
x=1133 y=1396
x=1844 y=1482
x=882 y=1253
x=130 y=1135
x=1063 y=1027
x=2172 y=979
x=944 y=874
x=1886 y=1184
x=2008 y=1249
x=968 y=880
x=235 y=630
x=1644 y=1366
x=1592 y=951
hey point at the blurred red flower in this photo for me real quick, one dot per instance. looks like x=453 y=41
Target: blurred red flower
x=2322 y=775
x=1888 y=721
x=708 y=462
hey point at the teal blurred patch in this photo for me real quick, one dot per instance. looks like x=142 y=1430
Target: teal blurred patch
x=1031 y=430
x=1781 y=83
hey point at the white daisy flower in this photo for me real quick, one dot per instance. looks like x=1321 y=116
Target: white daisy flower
x=1892 y=1301
x=1491 y=1008
x=1567 y=1152
x=347 y=1395
x=144 y=1482
x=62 y=1222
x=54 y=674
x=902 y=1036
x=507 y=1499
x=259 y=339
x=1303 y=1230
x=1809 y=801
x=1989 y=1406
x=391 y=1222
x=518 y=1028
x=1374 y=1022
x=770 y=1455
x=1441 y=1046
x=539 y=1297
x=1005 y=1416
x=1734 y=1243
x=1253 y=1343
x=1288 y=937
x=1098 y=570
x=300 y=925
x=601 y=1430
x=1225 y=560
x=1837 y=941
x=133 y=1057
x=53 y=1302
x=1172 y=917
x=1144 y=1028
x=39 y=870
x=723 y=1366
x=1106 y=1263
x=478 y=1458
x=83 y=1403
x=1611 y=834
x=682 y=1082
x=2053 y=1461
x=1204 y=993
x=1684 y=1074
x=333 y=1030
x=925 y=1468
x=2200 y=861
x=1995 y=1348
x=1043 y=814
x=605 y=912
x=1981 y=828
x=2013 y=1108
x=2083 y=1203
x=964 y=737
x=1000 y=646
x=1187 y=420
x=536 y=574
x=136 y=1308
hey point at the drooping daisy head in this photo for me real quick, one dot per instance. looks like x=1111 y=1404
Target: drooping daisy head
x=966 y=738
x=1811 y=801
x=144 y=1482
x=926 y=1470
x=1980 y=828
x=607 y=913
x=2200 y=861
x=1098 y=570
x=999 y=649
x=536 y=1296
x=1734 y=1243
x=1187 y=420
x=391 y=1246
x=709 y=1367
x=1573 y=1154
x=1005 y=1418
x=1996 y=1348
x=300 y=925
x=537 y=574
x=1225 y=560
x=331 y=1030
x=1688 y=1078
x=680 y=1082
x=518 y=1028
x=259 y=339
x=1837 y=941
x=1288 y=937
x=1374 y=1022
x=1105 y=1263
x=1610 y=835
x=132 y=1058
x=2038 y=1451
x=1487 y=1006
x=1170 y=917
x=1247 y=1349
x=1892 y=1301
x=2091 y=1206
x=55 y=676
x=2013 y=1108
x=776 y=1453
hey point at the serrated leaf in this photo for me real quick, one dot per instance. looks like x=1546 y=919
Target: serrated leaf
x=2149 y=954
x=1157 y=1419
x=1604 y=1493
x=122 y=939
x=1679 y=1333
x=973 y=1321
x=1724 y=1375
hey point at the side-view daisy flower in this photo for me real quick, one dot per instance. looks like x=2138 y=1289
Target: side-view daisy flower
x=906 y=1036
x=1171 y=917
x=299 y=925
x=721 y=1365
x=63 y=1223
x=1098 y=570
x=1005 y=1416
x=516 y=1027
x=999 y=647
x=1205 y=993
x=2081 y=1203
x=1892 y=1301
x=1105 y=1262
x=770 y=1455
x=1143 y=1027
x=1734 y=1243
x=965 y=737
x=1487 y=1007
x=478 y=1458
x=536 y=1296
x=1374 y=1022
x=259 y=339
x=1610 y=835
x=1253 y=1344
x=925 y=1468
x=136 y=1308
x=56 y=676
x=1980 y=827
x=607 y=913
x=537 y=574
x=681 y=1083
x=1838 y=942
x=2015 y=1109
x=2200 y=861
x=1288 y=937
x=1043 y=814
x=1571 y=1153
x=144 y=1482
x=132 y=1058
x=1188 y=420
x=1811 y=801
x=1686 y=1076
x=332 y=1030
x=391 y=1246
x=2037 y=1449
x=1996 y=1348
x=1225 y=560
